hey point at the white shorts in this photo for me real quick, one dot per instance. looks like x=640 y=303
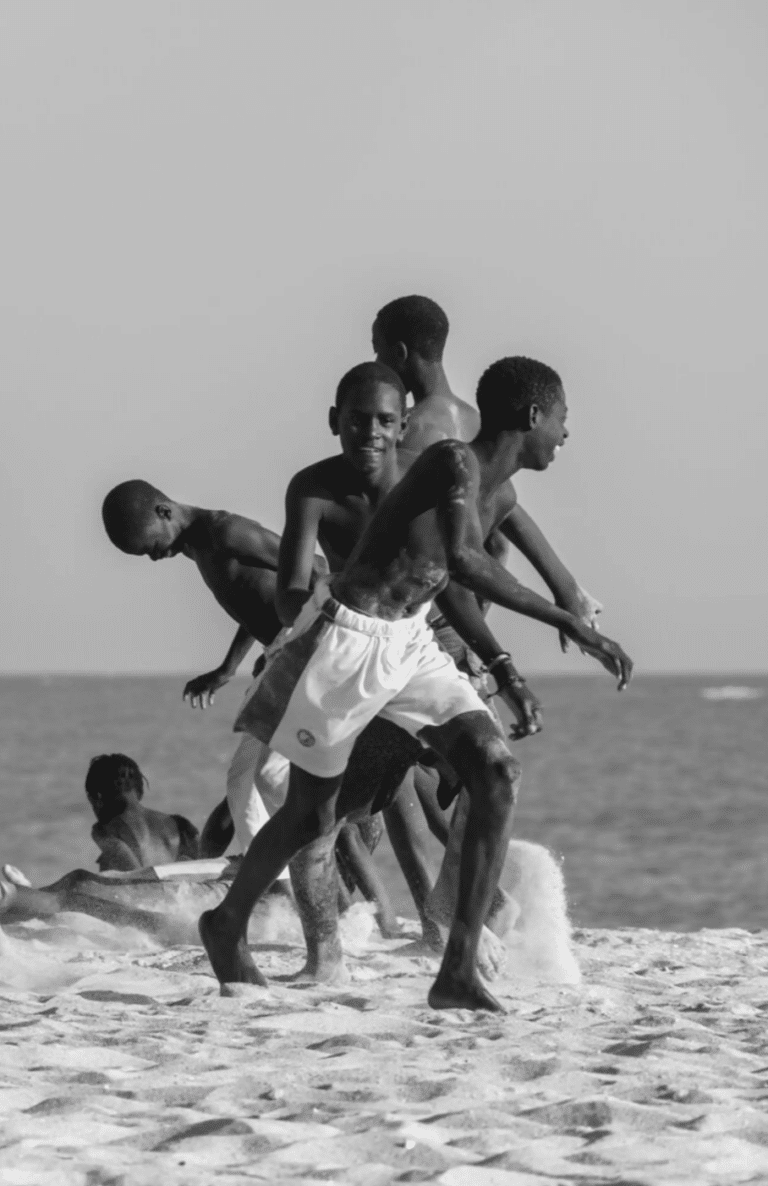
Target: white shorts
x=257 y=783
x=336 y=670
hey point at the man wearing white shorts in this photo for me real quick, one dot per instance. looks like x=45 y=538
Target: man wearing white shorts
x=366 y=649
x=337 y=670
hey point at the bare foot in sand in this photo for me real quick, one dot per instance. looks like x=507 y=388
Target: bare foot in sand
x=389 y=927
x=325 y=964
x=491 y=955
x=451 y=992
x=231 y=961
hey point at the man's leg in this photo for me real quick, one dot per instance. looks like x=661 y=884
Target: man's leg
x=356 y=856
x=307 y=814
x=257 y=783
x=475 y=748
x=315 y=884
x=407 y=831
x=427 y=784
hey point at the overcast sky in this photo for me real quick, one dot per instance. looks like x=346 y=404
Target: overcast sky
x=204 y=204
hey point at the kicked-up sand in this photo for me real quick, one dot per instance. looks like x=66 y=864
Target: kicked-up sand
x=122 y=1065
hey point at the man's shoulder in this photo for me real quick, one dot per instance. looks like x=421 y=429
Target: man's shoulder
x=323 y=479
x=443 y=416
x=446 y=456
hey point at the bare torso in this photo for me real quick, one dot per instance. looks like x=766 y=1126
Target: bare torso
x=245 y=591
x=400 y=561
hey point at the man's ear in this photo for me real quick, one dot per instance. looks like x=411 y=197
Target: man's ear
x=333 y=420
x=401 y=353
x=163 y=511
x=535 y=416
x=403 y=425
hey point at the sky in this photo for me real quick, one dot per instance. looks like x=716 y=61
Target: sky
x=205 y=204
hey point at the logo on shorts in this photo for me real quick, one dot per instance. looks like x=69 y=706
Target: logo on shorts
x=305 y=737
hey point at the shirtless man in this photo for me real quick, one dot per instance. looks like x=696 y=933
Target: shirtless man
x=362 y=647
x=130 y=835
x=237 y=559
x=409 y=335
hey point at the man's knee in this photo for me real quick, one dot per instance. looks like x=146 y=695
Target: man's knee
x=499 y=776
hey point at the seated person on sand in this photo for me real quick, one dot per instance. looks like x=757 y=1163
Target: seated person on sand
x=237 y=559
x=360 y=646
x=130 y=835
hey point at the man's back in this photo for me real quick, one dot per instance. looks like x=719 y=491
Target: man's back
x=139 y=836
x=439 y=417
x=237 y=559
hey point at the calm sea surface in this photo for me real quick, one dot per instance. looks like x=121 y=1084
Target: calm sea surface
x=656 y=799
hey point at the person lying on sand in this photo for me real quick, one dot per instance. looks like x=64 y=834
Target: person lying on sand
x=123 y=900
x=360 y=646
x=237 y=559
x=130 y=835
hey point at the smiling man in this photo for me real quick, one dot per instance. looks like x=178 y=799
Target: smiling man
x=361 y=646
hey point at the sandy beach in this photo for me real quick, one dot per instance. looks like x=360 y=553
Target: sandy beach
x=122 y=1065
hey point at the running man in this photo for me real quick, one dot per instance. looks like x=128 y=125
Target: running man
x=361 y=646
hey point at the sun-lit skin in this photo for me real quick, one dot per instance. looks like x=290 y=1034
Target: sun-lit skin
x=430 y=526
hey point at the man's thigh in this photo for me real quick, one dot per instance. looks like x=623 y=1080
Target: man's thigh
x=436 y=696
x=380 y=759
x=470 y=742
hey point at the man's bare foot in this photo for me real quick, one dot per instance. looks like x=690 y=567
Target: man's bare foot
x=325 y=964
x=231 y=961
x=451 y=992
x=491 y=955
x=389 y=927
x=16 y=877
x=320 y=974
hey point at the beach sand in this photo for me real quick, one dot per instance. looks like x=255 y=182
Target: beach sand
x=122 y=1065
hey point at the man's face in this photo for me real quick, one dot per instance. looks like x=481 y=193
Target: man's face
x=159 y=537
x=370 y=424
x=548 y=434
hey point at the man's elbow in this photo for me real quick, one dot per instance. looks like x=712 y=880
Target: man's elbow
x=462 y=565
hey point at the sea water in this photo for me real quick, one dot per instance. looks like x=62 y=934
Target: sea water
x=655 y=800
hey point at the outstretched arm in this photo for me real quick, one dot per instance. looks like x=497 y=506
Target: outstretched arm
x=528 y=538
x=202 y=689
x=471 y=566
x=297 y=563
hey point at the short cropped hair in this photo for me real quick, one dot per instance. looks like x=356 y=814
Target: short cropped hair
x=416 y=321
x=111 y=776
x=512 y=385
x=364 y=377
x=127 y=508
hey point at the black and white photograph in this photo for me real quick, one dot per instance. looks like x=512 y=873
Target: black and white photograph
x=406 y=818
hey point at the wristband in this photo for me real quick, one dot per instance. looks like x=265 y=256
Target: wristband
x=514 y=679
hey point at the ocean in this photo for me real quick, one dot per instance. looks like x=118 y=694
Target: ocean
x=655 y=799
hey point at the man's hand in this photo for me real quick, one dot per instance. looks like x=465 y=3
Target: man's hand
x=202 y=689
x=583 y=606
x=607 y=652
x=519 y=698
